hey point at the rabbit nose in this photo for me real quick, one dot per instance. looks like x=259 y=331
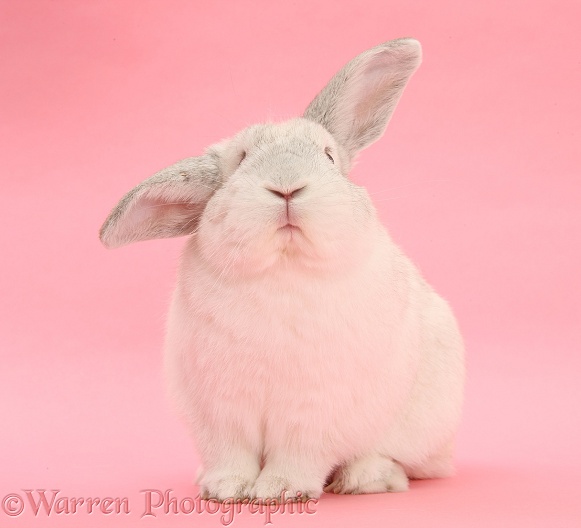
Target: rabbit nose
x=286 y=194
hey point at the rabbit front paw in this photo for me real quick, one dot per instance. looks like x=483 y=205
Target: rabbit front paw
x=272 y=486
x=221 y=486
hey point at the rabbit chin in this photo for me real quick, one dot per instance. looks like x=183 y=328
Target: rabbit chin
x=297 y=249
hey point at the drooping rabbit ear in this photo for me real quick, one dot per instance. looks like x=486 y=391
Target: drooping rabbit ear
x=359 y=100
x=169 y=204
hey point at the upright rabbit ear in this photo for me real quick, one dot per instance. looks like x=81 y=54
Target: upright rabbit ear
x=358 y=102
x=169 y=204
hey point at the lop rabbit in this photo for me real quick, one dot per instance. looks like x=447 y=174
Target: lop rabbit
x=304 y=350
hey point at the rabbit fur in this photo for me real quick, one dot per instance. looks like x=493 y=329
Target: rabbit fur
x=303 y=349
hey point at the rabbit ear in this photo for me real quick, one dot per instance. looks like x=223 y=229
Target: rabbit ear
x=169 y=204
x=358 y=101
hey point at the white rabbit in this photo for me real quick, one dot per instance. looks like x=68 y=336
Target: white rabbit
x=303 y=348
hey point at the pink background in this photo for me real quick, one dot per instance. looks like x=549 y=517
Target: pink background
x=478 y=178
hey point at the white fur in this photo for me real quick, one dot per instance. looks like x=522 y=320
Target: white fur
x=315 y=354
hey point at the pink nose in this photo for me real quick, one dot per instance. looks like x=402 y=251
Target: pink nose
x=286 y=195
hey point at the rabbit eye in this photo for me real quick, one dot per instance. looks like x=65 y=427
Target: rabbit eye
x=328 y=153
x=242 y=157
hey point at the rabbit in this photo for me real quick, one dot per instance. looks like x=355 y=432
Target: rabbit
x=303 y=349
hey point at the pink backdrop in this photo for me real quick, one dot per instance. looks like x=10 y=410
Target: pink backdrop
x=478 y=178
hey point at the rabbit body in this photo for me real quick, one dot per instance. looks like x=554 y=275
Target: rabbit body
x=303 y=349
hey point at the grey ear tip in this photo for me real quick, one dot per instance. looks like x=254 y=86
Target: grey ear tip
x=105 y=239
x=407 y=41
x=109 y=245
x=409 y=45
x=105 y=242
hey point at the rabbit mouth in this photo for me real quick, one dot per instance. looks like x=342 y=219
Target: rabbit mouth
x=290 y=230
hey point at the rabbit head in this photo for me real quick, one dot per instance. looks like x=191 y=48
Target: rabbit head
x=279 y=194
